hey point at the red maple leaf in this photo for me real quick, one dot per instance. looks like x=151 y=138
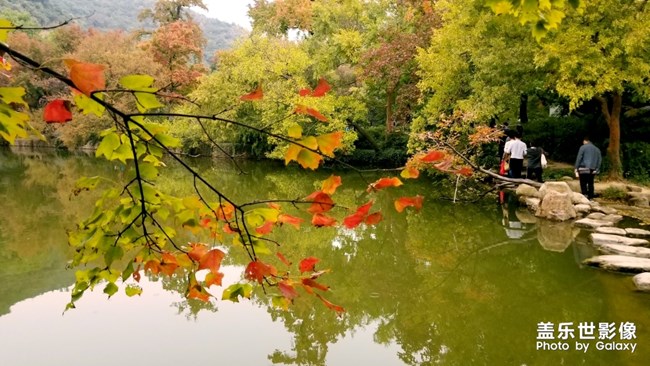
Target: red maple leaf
x=211 y=260
x=256 y=94
x=321 y=202
x=384 y=183
x=321 y=89
x=320 y=220
x=308 y=264
x=433 y=156
x=57 y=111
x=87 y=78
x=404 y=202
x=256 y=271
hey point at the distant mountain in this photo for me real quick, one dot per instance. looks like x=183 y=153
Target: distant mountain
x=118 y=14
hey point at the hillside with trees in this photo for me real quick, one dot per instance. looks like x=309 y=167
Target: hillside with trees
x=113 y=15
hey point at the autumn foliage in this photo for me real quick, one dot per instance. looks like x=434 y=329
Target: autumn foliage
x=135 y=227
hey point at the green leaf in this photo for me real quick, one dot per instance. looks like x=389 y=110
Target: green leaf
x=132 y=290
x=280 y=302
x=87 y=105
x=109 y=143
x=146 y=101
x=109 y=275
x=13 y=95
x=112 y=254
x=88 y=182
x=4 y=23
x=12 y=123
x=122 y=153
x=261 y=248
x=168 y=140
x=111 y=289
x=148 y=171
x=136 y=82
x=234 y=291
x=128 y=271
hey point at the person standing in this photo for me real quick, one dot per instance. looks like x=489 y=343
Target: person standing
x=587 y=166
x=535 y=168
x=515 y=152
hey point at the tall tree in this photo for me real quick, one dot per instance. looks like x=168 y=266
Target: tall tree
x=477 y=64
x=600 y=55
x=178 y=43
x=169 y=11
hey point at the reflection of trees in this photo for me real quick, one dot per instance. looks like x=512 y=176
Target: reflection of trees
x=35 y=193
x=446 y=286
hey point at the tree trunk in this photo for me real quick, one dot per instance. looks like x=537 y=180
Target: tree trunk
x=612 y=115
x=391 y=95
x=523 y=109
x=362 y=131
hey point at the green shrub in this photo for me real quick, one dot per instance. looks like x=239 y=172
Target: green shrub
x=636 y=161
x=614 y=194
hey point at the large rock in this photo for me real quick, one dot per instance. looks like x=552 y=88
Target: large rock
x=619 y=263
x=637 y=233
x=638 y=199
x=582 y=209
x=611 y=230
x=613 y=218
x=556 y=206
x=579 y=199
x=602 y=239
x=526 y=190
x=642 y=281
x=556 y=236
x=525 y=216
x=631 y=188
x=532 y=203
x=620 y=249
x=606 y=210
x=574 y=184
x=592 y=223
x=596 y=215
x=559 y=187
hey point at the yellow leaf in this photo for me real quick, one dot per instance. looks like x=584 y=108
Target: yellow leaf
x=295 y=132
x=308 y=159
x=310 y=142
x=292 y=153
x=328 y=143
x=501 y=7
x=4 y=23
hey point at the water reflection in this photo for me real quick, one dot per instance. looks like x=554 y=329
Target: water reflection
x=450 y=285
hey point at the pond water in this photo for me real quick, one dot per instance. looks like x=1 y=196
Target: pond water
x=456 y=284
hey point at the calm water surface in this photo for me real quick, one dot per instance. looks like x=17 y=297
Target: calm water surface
x=455 y=285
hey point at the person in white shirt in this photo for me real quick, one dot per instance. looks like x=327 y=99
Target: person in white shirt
x=515 y=152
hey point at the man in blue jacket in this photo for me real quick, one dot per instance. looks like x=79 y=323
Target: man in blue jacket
x=587 y=166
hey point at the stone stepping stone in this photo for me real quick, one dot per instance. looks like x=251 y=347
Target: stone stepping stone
x=611 y=230
x=642 y=281
x=601 y=239
x=606 y=210
x=592 y=223
x=612 y=218
x=619 y=263
x=620 y=249
x=596 y=215
x=638 y=233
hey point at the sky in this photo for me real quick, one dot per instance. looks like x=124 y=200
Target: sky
x=231 y=11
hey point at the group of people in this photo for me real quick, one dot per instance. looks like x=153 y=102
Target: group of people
x=512 y=161
x=587 y=163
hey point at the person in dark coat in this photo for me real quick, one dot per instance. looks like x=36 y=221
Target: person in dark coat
x=535 y=169
x=587 y=166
